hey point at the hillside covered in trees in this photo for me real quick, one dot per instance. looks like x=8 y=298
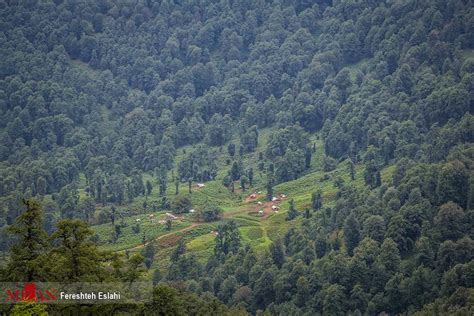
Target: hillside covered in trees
x=326 y=145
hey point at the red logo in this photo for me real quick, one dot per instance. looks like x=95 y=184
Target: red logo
x=30 y=292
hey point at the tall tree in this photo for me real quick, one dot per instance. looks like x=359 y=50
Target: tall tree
x=351 y=233
x=270 y=189
x=32 y=242
x=76 y=257
x=316 y=200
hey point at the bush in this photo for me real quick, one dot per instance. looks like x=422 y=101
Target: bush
x=181 y=204
x=211 y=213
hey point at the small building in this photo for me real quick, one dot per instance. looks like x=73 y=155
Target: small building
x=274 y=207
x=200 y=185
x=259 y=203
x=137 y=220
x=275 y=199
x=260 y=212
x=192 y=211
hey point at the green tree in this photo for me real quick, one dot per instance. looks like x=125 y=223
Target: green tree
x=389 y=256
x=32 y=241
x=231 y=149
x=75 y=258
x=166 y=301
x=277 y=252
x=149 y=187
x=450 y=221
x=270 y=189
x=149 y=254
x=156 y=276
x=250 y=176
x=169 y=224
x=181 y=204
x=334 y=300
x=243 y=182
x=351 y=168
x=374 y=227
x=351 y=233
x=227 y=240
x=316 y=200
x=211 y=213
x=292 y=212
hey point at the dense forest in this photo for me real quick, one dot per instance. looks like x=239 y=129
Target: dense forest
x=104 y=102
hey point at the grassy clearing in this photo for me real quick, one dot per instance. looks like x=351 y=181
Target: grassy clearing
x=255 y=231
x=128 y=238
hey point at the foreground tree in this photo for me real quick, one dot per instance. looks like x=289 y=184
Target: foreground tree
x=32 y=242
x=76 y=258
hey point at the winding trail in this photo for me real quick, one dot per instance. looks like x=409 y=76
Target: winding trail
x=266 y=206
x=140 y=246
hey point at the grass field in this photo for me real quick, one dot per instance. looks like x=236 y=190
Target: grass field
x=258 y=232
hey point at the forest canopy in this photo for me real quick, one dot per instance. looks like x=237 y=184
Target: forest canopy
x=105 y=103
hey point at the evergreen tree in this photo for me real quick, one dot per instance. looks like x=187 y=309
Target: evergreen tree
x=156 y=276
x=227 y=240
x=231 y=149
x=316 y=200
x=76 y=258
x=25 y=255
x=149 y=187
x=292 y=212
x=270 y=189
x=250 y=176
x=351 y=233
x=351 y=168
x=277 y=252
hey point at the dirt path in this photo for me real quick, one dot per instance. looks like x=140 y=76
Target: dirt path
x=193 y=225
x=184 y=229
x=267 y=211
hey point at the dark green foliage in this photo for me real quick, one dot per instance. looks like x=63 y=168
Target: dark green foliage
x=231 y=149
x=250 y=176
x=24 y=261
x=169 y=224
x=211 y=213
x=94 y=94
x=329 y=164
x=278 y=253
x=156 y=276
x=316 y=200
x=351 y=233
x=149 y=254
x=270 y=189
x=227 y=240
x=249 y=139
x=181 y=204
x=292 y=212
x=450 y=221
